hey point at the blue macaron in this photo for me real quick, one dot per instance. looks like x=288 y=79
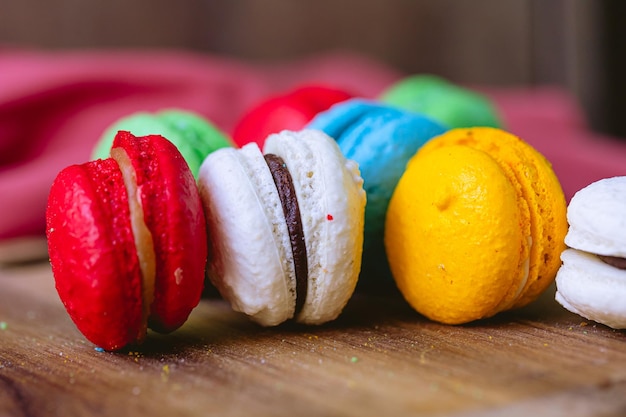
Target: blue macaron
x=381 y=139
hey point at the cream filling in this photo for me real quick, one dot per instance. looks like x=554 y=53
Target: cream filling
x=507 y=303
x=142 y=235
x=526 y=269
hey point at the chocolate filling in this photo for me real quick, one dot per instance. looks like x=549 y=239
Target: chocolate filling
x=619 y=263
x=287 y=194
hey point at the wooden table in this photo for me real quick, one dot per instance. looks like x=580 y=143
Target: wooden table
x=378 y=359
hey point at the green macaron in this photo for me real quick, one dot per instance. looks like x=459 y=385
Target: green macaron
x=442 y=100
x=194 y=136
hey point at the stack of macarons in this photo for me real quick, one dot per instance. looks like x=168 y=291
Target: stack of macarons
x=592 y=280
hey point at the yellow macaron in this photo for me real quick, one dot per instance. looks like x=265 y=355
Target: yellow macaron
x=475 y=226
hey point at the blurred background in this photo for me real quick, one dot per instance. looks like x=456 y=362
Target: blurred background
x=577 y=44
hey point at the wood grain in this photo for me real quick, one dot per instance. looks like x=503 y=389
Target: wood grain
x=378 y=358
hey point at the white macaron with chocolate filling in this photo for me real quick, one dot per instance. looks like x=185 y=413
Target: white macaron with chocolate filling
x=592 y=279
x=285 y=228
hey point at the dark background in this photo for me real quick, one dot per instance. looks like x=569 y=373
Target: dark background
x=577 y=44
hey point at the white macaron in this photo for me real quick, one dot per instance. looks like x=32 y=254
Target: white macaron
x=592 y=279
x=285 y=228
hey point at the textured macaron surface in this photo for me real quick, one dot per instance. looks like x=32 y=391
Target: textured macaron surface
x=539 y=188
x=442 y=100
x=250 y=261
x=476 y=226
x=90 y=243
x=452 y=225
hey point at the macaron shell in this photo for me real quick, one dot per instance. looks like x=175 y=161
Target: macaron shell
x=94 y=261
x=597 y=218
x=194 y=136
x=288 y=111
x=173 y=212
x=442 y=100
x=320 y=97
x=540 y=189
x=453 y=235
x=250 y=260
x=592 y=289
x=272 y=116
x=332 y=204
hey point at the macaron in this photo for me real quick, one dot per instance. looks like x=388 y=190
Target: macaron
x=285 y=227
x=127 y=241
x=290 y=110
x=193 y=135
x=381 y=139
x=592 y=279
x=451 y=104
x=475 y=226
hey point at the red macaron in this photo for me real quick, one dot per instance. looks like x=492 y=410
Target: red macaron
x=286 y=111
x=127 y=241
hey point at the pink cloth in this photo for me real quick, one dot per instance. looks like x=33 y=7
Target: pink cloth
x=55 y=105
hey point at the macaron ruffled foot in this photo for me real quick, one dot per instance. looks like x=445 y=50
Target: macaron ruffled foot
x=592 y=280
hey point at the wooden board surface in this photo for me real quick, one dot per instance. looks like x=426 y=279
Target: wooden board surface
x=378 y=359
